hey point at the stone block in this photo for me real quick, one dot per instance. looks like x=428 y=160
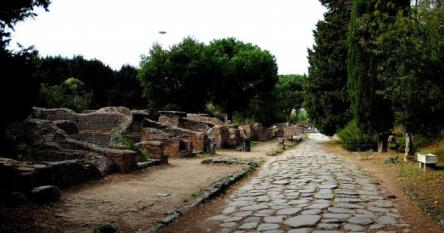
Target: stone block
x=155 y=149
x=125 y=160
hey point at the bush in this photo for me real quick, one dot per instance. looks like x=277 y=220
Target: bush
x=127 y=143
x=69 y=94
x=242 y=119
x=352 y=138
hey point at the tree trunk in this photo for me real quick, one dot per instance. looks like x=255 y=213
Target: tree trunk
x=287 y=116
x=229 y=117
x=408 y=145
x=382 y=143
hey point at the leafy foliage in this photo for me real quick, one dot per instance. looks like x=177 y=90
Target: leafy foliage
x=229 y=74
x=326 y=100
x=69 y=94
x=413 y=73
x=289 y=94
x=243 y=77
x=354 y=139
x=176 y=79
x=109 y=87
x=369 y=20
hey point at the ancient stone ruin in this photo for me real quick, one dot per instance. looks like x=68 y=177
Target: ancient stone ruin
x=61 y=147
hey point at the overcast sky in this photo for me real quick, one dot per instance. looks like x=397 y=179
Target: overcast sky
x=117 y=32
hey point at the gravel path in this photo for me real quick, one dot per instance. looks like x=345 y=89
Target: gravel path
x=309 y=190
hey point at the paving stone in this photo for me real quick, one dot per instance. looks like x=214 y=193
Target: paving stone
x=353 y=227
x=267 y=227
x=243 y=213
x=300 y=230
x=324 y=196
x=288 y=211
x=303 y=221
x=327 y=226
x=363 y=221
x=255 y=207
x=228 y=224
x=252 y=219
x=274 y=231
x=321 y=231
x=337 y=216
x=248 y=226
x=312 y=191
x=318 y=206
x=311 y=212
x=232 y=219
x=229 y=210
x=340 y=210
x=265 y=213
x=387 y=220
x=376 y=226
x=274 y=219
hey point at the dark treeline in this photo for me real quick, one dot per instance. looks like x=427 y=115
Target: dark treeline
x=377 y=68
x=93 y=84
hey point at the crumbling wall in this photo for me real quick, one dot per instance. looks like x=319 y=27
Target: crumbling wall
x=171 y=117
x=94 y=127
x=193 y=125
x=205 y=118
x=173 y=137
x=38 y=140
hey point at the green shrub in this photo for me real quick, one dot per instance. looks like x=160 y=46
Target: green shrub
x=352 y=138
x=214 y=111
x=129 y=144
x=71 y=93
x=241 y=119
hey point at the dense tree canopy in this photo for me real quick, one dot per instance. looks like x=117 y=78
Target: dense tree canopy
x=176 y=79
x=235 y=76
x=243 y=75
x=289 y=94
x=327 y=100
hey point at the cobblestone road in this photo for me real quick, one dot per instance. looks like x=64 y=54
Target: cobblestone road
x=309 y=190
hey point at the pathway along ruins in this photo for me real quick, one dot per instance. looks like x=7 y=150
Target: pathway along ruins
x=304 y=190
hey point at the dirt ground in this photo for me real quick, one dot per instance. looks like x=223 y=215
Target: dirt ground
x=386 y=176
x=131 y=201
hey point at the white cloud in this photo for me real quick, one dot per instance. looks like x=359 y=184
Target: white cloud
x=118 y=32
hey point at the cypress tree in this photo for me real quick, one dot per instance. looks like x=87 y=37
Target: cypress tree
x=369 y=19
x=326 y=98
